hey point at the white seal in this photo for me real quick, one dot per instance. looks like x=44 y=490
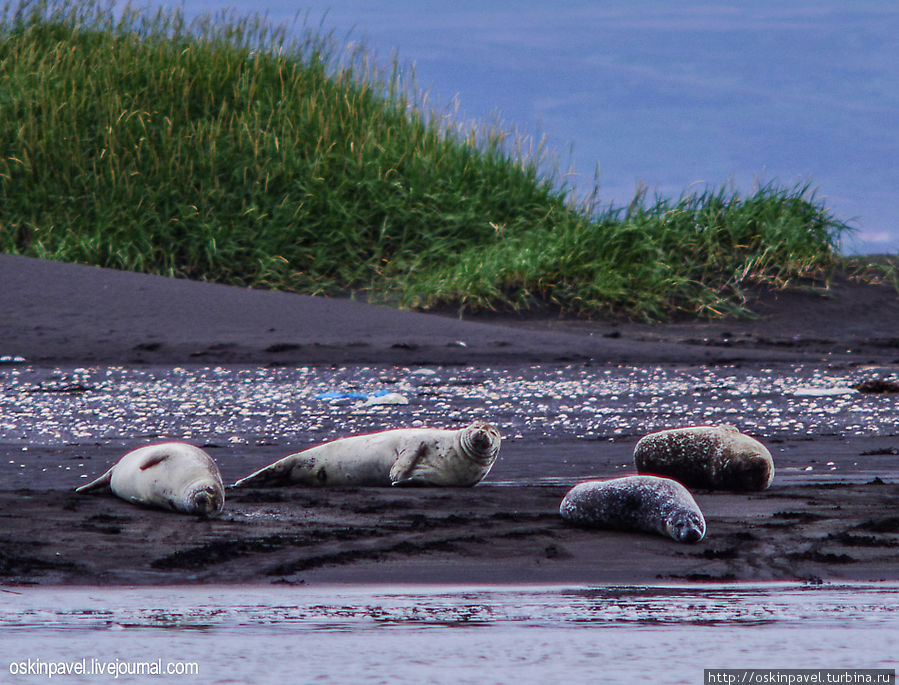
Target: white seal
x=715 y=457
x=645 y=503
x=402 y=456
x=169 y=475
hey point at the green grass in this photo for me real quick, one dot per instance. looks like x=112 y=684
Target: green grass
x=224 y=151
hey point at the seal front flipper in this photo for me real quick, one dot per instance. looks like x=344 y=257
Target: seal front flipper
x=101 y=483
x=153 y=460
x=402 y=473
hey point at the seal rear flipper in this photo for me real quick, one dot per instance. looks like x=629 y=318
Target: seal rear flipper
x=273 y=474
x=101 y=483
x=255 y=478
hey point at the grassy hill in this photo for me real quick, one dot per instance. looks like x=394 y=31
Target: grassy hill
x=228 y=151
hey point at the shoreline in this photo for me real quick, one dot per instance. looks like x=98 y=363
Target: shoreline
x=414 y=587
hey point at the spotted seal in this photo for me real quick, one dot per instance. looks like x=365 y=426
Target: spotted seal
x=402 y=456
x=715 y=457
x=645 y=503
x=168 y=475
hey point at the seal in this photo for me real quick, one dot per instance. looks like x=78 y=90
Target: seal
x=168 y=475
x=715 y=457
x=402 y=456
x=646 y=503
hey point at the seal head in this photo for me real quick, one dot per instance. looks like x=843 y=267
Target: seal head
x=686 y=526
x=203 y=499
x=480 y=442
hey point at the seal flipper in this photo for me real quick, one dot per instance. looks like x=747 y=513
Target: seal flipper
x=153 y=461
x=278 y=473
x=403 y=470
x=101 y=483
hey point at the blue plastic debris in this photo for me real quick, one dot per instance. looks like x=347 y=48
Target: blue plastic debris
x=336 y=395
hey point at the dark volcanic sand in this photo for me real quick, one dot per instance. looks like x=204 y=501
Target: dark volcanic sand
x=482 y=535
x=57 y=313
x=68 y=314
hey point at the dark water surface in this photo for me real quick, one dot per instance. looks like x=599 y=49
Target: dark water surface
x=453 y=634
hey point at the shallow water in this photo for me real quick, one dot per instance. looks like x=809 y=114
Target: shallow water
x=455 y=634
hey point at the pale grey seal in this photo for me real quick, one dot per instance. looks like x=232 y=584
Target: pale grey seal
x=402 y=456
x=169 y=475
x=645 y=503
x=716 y=457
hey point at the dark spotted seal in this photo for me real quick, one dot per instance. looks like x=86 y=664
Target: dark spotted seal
x=645 y=503
x=716 y=457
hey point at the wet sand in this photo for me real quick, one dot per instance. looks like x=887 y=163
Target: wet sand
x=506 y=530
x=484 y=535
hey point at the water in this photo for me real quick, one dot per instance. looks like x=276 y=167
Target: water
x=450 y=634
x=667 y=94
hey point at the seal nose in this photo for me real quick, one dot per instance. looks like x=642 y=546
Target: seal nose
x=687 y=531
x=690 y=535
x=206 y=501
x=480 y=440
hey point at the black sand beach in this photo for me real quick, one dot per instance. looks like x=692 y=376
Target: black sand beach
x=503 y=531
